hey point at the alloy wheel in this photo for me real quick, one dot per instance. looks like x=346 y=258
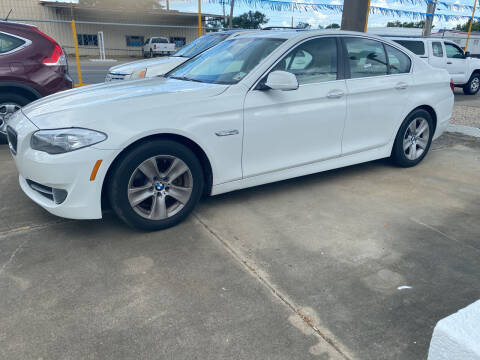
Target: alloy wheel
x=415 y=139
x=475 y=84
x=160 y=187
x=6 y=110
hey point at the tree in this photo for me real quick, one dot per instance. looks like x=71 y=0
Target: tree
x=417 y=25
x=250 y=20
x=320 y=26
x=303 y=25
x=464 y=27
x=332 y=26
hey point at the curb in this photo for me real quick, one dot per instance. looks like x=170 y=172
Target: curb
x=465 y=130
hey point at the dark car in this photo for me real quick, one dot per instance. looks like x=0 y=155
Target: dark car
x=32 y=65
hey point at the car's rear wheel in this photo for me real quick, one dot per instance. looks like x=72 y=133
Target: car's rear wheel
x=413 y=139
x=9 y=103
x=473 y=85
x=156 y=185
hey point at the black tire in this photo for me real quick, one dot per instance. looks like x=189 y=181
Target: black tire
x=124 y=168
x=473 y=85
x=12 y=99
x=151 y=54
x=399 y=157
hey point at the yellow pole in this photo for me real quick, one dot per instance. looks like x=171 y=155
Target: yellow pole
x=471 y=23
x=75 y=42
x=199 y=18
x=366 y=19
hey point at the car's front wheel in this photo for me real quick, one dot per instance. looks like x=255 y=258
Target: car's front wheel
x=156 y=185
x=473 y=85
x=9 y=103
x=413 y=139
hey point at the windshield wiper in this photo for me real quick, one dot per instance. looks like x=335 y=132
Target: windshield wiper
x=185 y=78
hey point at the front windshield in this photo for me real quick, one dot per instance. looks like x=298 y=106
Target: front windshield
x=201 y=44
x=228 y=62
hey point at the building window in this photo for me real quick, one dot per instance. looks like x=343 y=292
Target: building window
x=178 y=41
x=87 y=40
x=133 y=40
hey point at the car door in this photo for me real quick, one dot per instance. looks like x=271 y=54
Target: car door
x=377 y=93
x=437 y=57
x=284 y=129
x=456 y=64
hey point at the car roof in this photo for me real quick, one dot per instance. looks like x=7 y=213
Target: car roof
x=303 y=34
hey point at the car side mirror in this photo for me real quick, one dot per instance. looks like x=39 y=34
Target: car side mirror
x=282 y=80
x=467 y=54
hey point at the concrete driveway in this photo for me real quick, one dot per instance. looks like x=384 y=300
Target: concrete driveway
x=356 y=263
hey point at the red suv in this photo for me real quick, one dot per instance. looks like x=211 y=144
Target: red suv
x=32 y=65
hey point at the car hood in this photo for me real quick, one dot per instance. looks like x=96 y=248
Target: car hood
x=94 y=101
x=130 y=67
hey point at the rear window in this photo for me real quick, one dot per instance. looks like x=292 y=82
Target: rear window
x=417 y=47
x=9 y=43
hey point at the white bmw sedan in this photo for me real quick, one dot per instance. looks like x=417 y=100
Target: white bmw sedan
x=259 y=108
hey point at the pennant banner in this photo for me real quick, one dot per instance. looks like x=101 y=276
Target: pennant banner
x=276 y=5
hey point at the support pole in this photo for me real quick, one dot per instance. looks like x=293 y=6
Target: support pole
x=199 y=18
x=431 y=7
x=354 y=15
x=366 y=16
x=230 y=20
x=77 y=57
x=470 y=26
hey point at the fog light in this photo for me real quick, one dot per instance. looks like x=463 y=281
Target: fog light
x=59 y=195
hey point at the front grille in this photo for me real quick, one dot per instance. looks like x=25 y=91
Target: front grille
x=12 y=140
x=114 y=77
x=58 y=196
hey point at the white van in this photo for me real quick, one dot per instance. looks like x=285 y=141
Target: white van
x=464 y=70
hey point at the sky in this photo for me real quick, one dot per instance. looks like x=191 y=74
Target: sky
x=284 y=18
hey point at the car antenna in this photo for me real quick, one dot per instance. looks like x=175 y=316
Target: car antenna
x=6 y=19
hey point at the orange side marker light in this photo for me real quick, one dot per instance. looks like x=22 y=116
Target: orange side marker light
x=95 y=170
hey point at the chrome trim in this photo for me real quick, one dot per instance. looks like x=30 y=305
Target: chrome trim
x=227 y=132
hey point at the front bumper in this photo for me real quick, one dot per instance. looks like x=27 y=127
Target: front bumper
x=69 y=172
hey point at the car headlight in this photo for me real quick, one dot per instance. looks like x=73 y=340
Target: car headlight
x=139 y=74
x=59 y=141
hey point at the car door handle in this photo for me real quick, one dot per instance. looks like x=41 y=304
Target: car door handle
x=401 y=86
x=335 y=94
x=449 y=62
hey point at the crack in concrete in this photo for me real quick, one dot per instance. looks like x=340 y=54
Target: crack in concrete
x=24 y=229
x=4 y=266
x=305 y=318
x=442 y=233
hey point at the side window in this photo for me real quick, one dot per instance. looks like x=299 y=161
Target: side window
x=314 y=61
x=366 y=57
x=453 y=51
x=417 y=47
x=162 y=41
x=437 y=49
x=147 y=41
x=9 y=43
x=398 y=61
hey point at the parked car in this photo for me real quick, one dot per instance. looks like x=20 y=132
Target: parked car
x=258 y=108
x=32 y=65
x=156 y=67
x=157 y=46
x=440 y=53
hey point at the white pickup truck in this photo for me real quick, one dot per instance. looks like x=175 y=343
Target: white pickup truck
x=441 y=53
x=157 y=46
